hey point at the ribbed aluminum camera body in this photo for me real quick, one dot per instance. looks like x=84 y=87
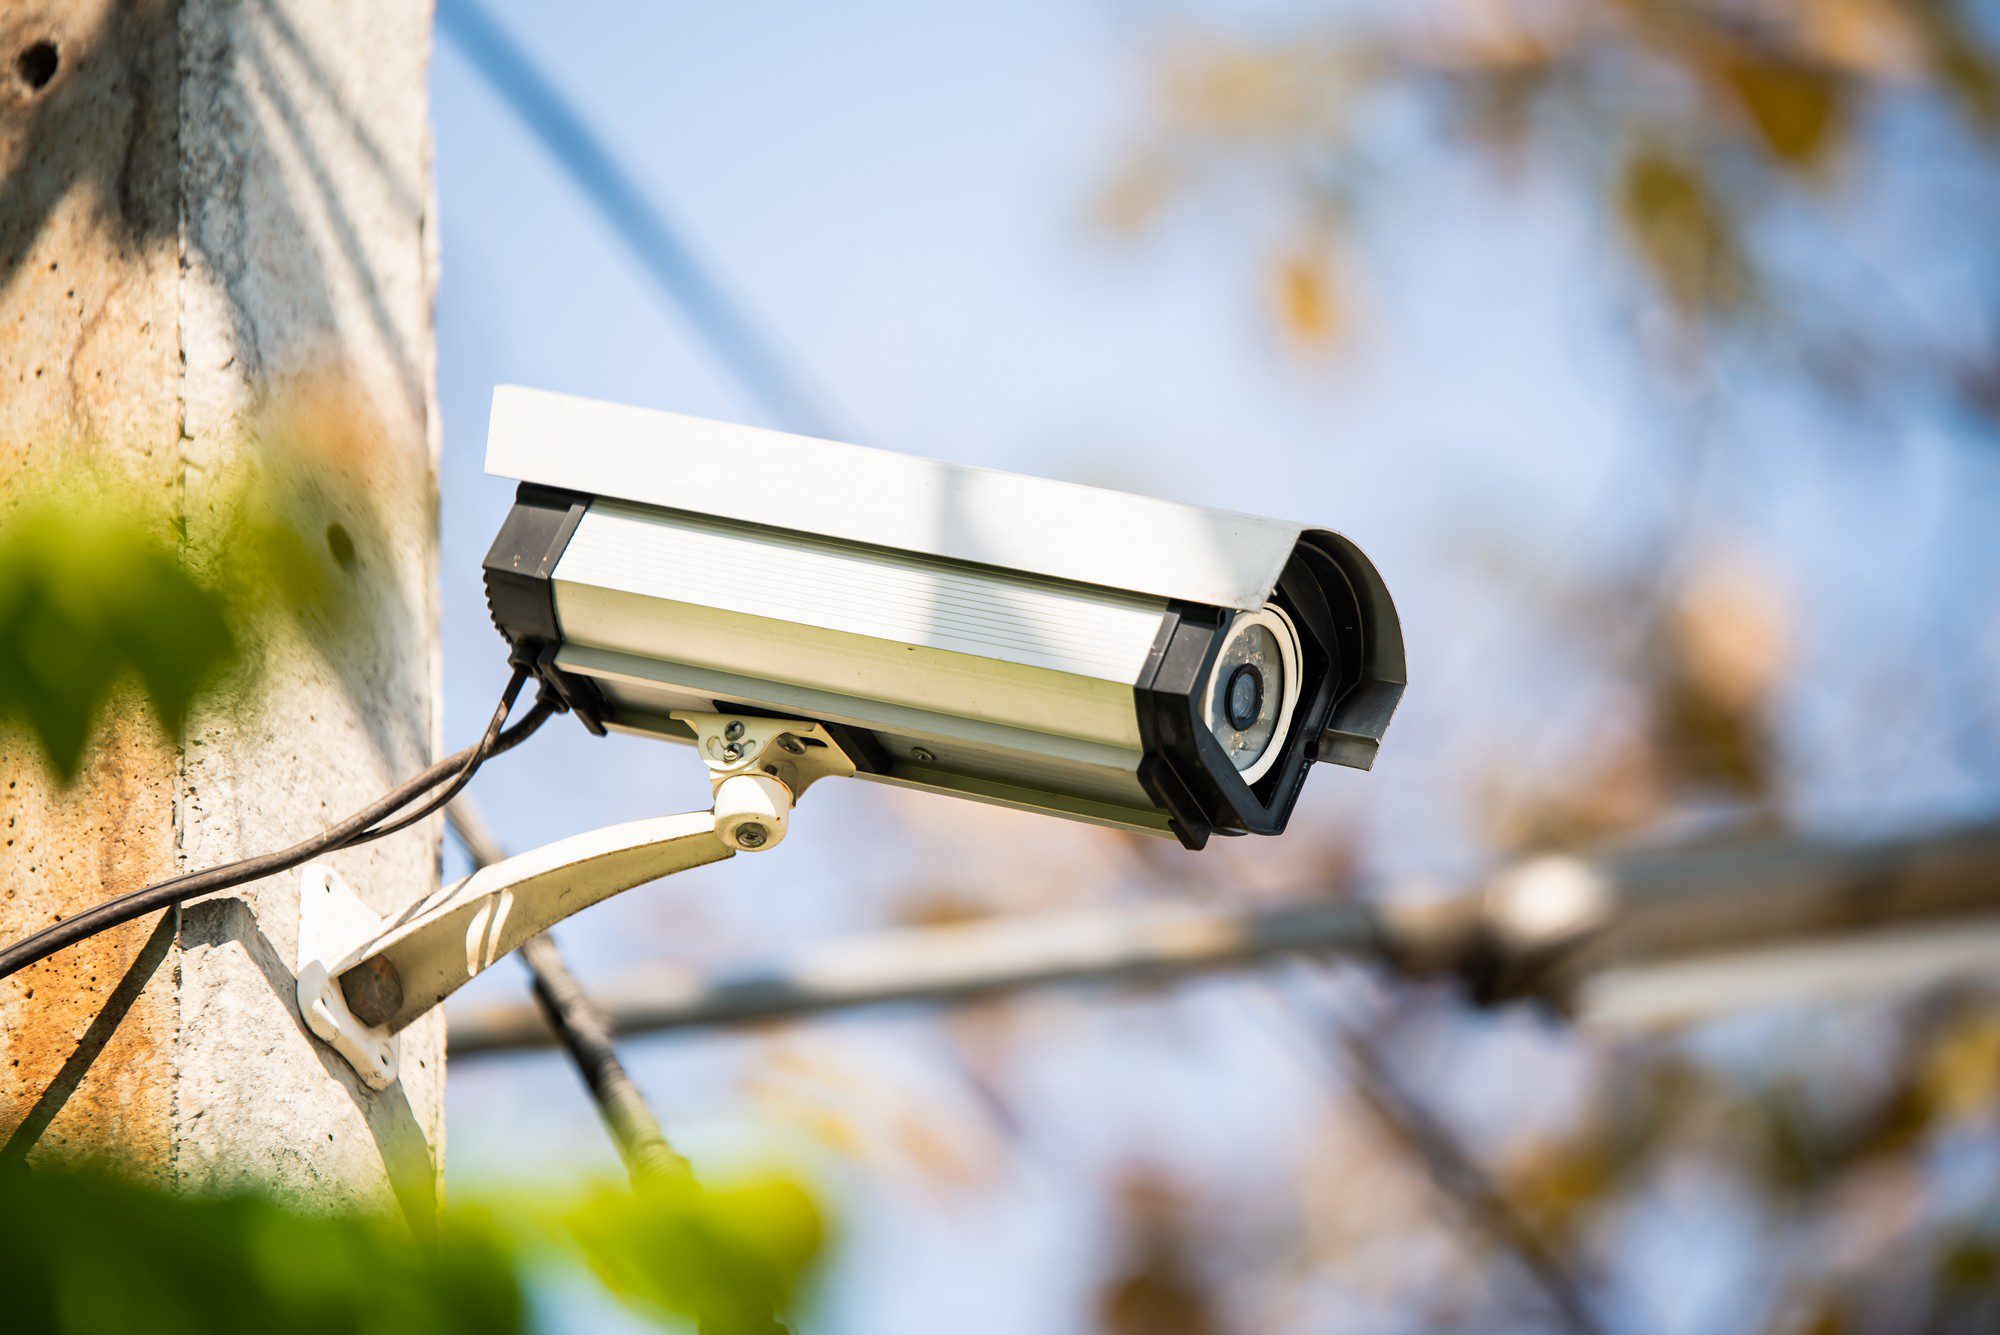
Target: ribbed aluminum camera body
x=1065 y=649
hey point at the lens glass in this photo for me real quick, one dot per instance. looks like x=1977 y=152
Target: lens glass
x=1246 y=695
x=1248 y=688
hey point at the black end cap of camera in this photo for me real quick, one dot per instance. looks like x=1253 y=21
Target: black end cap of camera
x=520 y=591
x=1351 y=678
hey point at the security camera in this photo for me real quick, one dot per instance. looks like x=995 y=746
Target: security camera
x=797 y=609
x=1085 y=653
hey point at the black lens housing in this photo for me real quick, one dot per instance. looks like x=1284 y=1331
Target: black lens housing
x=1351 y=677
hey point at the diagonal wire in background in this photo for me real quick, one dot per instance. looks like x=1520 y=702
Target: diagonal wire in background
x=641 y=224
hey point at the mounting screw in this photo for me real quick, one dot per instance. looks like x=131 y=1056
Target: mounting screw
x=922 y=755
x=734 y=730
x=733 y=751
x=791 y=745
x=751 y=835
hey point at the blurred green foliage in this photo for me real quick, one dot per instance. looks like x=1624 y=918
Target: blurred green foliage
x=103 y=586
x=731 y=1257
x=88 y=1252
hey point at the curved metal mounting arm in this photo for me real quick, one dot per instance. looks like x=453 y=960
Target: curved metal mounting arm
x=357 y=994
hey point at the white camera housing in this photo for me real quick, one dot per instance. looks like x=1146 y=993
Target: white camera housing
x=1065 y=649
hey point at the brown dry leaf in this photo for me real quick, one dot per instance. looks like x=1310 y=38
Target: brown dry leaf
x=1682 y=231
x=1960 y=1076
x=1498 y=35
x=1730 y=630
x=1710 y=746
x=1822 y=1316
x=936 y=904
x=1158 y=1288
x=1217 y=88
x=1555 y=1184
x=1872 y=38
x=1726 y=651
x=1799 y=112
x=1960 y=61
x=1621 y=791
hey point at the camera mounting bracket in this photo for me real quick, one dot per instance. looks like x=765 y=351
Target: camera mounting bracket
x=361 y=980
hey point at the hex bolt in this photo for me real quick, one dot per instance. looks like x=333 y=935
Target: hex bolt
x=374 y=990
x=751 y=835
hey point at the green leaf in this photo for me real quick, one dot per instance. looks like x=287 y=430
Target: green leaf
x=174 y=633
x=56 y=670
x=95 y=591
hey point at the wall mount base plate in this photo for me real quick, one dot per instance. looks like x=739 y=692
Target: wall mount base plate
x=333 y=920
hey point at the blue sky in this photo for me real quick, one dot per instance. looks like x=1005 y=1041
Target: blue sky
x=900 y=194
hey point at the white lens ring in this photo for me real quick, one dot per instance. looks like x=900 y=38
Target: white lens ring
x=1249 y=639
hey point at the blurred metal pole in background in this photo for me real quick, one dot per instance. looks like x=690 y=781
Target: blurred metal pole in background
x=1633 y=937
x=580 y=1027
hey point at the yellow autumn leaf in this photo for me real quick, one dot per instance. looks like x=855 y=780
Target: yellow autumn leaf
x=1308 y=298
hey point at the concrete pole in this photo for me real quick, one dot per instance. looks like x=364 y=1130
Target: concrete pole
x=215 y=231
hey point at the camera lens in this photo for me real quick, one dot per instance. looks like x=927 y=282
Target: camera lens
x=1245 y=696
x=1252 y=690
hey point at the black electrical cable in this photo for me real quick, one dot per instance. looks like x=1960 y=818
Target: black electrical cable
x=360 y=828
x=480 y=752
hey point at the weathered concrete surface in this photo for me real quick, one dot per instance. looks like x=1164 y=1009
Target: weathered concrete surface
x=236 y=192
x=89 y=364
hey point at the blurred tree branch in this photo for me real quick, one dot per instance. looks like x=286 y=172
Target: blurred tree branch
x=1716 y=139
x=1456 y=1174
